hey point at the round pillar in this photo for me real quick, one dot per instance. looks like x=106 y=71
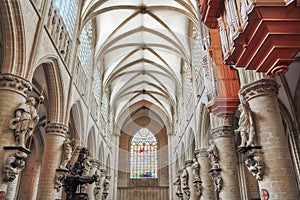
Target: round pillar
x=278 y=179
x=90 y=189
x=13 y=92
x=55 y=137
x=207 y=186
x=223 y=138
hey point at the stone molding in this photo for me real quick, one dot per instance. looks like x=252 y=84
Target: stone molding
x=201 y=153
x=223 y=131
x=15 y=83
x=56 y=128
x=263 y=87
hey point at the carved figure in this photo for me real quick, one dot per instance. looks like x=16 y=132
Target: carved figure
x=213 y=154
x=246 y=124
x=87 y=166
x=184 y=177
x=198 y=186
x=255 y=165
x=106 y=184
x=67 y=153
x=13 y=165
x=26 y=117
x=59 y=177
x=217 y=181
x=196 y=169
x=178 y=183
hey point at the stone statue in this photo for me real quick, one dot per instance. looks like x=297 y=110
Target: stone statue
x=213 y=154
x=255 y=164
x=178 y=183
x=196 y=169
x=67 y=153
x=26 y=117
x=246 y=124
x=13 y=165
x=87 y=166
x=217 y=181
x=184 y=177
x=106 y=184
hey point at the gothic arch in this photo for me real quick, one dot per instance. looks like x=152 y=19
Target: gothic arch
x=190 y=144
x=54 y=93
x=91 y=143
x=13 y=37
x=101 y=153
x=76 y=126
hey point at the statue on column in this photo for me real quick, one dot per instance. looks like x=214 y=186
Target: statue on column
x=26 y=117
x=184 y=178
x=178 y=183
x=246 y=124
x=213 y=154
x=106 y=185
x=196 y=169
x=68 y=150
x=13 y=165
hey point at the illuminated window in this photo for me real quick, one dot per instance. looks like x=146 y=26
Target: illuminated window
x=85 y=48
x=143 y=155
x=104 y=106
x=96 y=85
x=67 y=10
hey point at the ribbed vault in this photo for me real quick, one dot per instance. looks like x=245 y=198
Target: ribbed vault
x=141 y=47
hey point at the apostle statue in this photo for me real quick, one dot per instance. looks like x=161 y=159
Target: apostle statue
x=26 y=117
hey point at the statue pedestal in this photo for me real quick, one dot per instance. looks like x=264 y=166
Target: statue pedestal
x=245 y=149
x=80 y=196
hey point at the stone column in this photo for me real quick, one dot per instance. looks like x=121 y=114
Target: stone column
x=278 y=179
x=207 y=186
x=55 y=137
x=224 y=140
x=13 y=92
x=192 y=191
x=90 y=189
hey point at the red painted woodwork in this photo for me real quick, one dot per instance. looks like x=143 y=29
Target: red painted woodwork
x=270 y=41
x=210 y=10
x=226 y=99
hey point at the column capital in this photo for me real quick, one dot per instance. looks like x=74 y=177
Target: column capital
x=223 y=131
x=56 y=128
x=15 y=83
x=95 y=163
x=262 y=87
x=201 y=153
x=188 y=163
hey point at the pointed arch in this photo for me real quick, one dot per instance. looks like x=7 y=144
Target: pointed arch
x=91 y=143
x=11 y=20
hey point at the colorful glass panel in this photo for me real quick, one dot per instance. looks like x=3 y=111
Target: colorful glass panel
x=143 y=155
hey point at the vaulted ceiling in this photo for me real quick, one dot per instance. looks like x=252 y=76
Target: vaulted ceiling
x=141 y=46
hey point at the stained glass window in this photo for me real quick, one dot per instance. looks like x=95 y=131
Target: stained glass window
x=67 y=10
x=143 y=155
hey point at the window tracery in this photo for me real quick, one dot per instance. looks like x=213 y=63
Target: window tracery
x=143 y=155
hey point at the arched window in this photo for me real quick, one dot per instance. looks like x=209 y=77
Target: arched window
x=143 y=155
x=85 y=48
x=96 y=85
x=67 y=10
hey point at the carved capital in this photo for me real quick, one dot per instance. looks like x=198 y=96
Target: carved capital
x=15 y=83
x=263 y=87
x=95 y=163
x=223 y=131
x=188 y=163
x=201 y=153
x=56 y=128
x=254 y=163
